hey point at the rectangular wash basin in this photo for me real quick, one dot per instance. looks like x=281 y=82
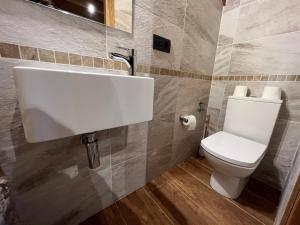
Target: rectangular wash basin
x=56 y=103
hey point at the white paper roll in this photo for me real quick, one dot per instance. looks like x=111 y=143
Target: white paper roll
x=272 y=92
x=190 y=123
x=240 y=91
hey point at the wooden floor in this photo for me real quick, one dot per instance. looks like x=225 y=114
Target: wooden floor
x=183 y=196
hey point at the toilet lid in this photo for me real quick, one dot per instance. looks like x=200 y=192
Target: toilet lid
x=234 y=149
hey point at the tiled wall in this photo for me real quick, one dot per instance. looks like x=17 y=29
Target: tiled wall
x=259 y=46
x=51 y=181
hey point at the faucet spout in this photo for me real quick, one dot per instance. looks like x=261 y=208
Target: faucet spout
x=128 y=60
x=117 y=57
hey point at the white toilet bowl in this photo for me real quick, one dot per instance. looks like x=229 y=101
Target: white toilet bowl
x=228 y=179
x=231 y=168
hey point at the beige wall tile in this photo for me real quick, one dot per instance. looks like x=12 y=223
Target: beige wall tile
x=255 y=57
x=200 y=38
x=228 y=26
x=222 y=60
x=280 y=18
x=174 y=33
x=281 y=152
x=50 y=29
x=158 y=161
x=128 y=176
x=128 y=142
x=173 y=13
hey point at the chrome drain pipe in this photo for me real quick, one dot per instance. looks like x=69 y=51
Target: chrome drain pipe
x=91 y=143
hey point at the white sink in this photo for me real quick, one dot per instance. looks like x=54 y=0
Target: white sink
x=60 y=103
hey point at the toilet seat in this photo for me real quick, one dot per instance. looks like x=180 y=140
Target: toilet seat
x=234 y=149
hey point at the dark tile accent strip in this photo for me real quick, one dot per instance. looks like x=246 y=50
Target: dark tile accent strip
x=291 y=78
x=75 y=59
x=87 y=61
x=124 y=66
x=29 y=53
x=46 y=55
x=98 y=62
x=108 y=64
x=117 y=65
x=257 y=78
x=61 y=57
x=264 y=78
x=9 y=51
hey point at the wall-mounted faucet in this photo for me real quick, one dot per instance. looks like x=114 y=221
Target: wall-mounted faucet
x=130 y=60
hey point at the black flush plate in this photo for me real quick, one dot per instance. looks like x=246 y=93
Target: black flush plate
x=161 y=44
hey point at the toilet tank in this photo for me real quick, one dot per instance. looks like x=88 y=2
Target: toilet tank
x=252 y=118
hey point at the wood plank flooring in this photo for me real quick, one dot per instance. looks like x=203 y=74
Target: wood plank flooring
x=183 y=196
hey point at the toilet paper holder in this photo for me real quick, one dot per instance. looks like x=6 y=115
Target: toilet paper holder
x=183 y=119
x=201 y=107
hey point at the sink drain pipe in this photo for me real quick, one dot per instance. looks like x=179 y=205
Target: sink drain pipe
x=91 y=143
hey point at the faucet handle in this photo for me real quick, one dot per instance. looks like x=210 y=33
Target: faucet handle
x=132 y=51
x=123 y=48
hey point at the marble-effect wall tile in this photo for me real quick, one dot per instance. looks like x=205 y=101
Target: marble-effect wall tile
x=55 y=30
x=228 y=26
x=173 y=12
x=289 y=188
x=281 y=152
x=170 y=31
x=255 y=57
x=199 y=43
x=279 y=17
x=128 y=176
x=186 y=143
x=128 y=142
x=96 y=186
x=222 y=60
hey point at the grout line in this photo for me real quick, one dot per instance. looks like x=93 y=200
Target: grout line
x=38 y=54
x=69 y=60
x=184 y=18
x=229 y=200
x=54 y=56
x=148 y=194
x=19 y=49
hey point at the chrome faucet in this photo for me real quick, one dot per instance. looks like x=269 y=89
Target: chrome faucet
x=130 y=60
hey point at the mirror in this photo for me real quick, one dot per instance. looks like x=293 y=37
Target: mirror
x=113 y=13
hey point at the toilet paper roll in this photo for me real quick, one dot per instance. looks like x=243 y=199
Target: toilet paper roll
x=272 y=93
x=190 y=122
x=240 y=91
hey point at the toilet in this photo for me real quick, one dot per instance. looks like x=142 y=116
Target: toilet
x=235 y=152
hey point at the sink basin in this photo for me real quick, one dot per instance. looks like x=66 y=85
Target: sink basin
x=57 y=103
